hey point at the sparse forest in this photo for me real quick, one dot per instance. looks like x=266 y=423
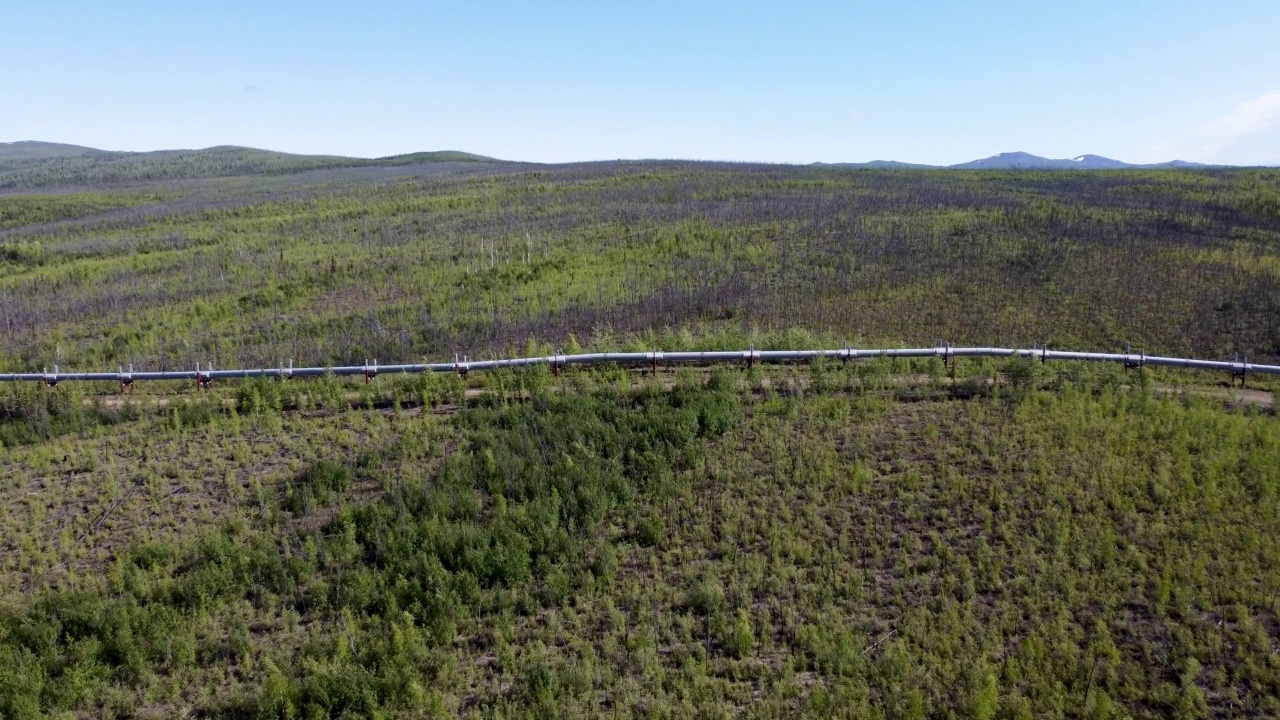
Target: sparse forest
x=879 y=539
x=357 y=264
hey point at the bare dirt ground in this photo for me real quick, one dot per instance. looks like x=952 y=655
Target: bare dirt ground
x=1232 y=396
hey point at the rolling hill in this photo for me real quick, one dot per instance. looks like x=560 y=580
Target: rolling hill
x=35 y=150
x=31 y=165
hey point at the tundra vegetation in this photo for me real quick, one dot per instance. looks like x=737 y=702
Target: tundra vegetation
x=341 y=265
x=875 y=539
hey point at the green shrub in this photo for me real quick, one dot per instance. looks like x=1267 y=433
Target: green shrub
x=316 y=486
x=650 y=531
x=741 y=639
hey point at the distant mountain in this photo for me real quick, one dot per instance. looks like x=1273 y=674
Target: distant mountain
x=1095 y=162
x=1181 y=164
x=878 y=165
x=28 y=164
x=1027 y=161
x=1020 y=161
x=1013 y=161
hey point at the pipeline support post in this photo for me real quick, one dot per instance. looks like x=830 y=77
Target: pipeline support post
x=204 y=380
x=1241 y=372
x=1130 y=363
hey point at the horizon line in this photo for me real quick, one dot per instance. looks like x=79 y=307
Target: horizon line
x=797 y=163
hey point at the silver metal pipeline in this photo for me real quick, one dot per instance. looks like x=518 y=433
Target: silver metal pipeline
x=652 y=358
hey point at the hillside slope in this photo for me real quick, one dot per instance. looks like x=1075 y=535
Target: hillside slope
x=35 y=150
x=1179 y=263
x=45 y=166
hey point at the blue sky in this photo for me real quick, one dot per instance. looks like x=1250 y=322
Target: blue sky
x=936 y=82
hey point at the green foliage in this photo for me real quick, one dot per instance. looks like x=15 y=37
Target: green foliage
x=547 y=473
x=253 y=271
x=1022 y=373
x=22 y=253
x=62 y=650
x=818 y=553
x=784 y=542
x=741 y=639
x=525 y=503
x=316 y=486
x=31 y=413
x=19 y=210
x=256 y=396
x=650 y=531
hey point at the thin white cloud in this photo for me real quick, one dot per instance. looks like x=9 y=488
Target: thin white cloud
x=1231 y=137
x=1249 y=117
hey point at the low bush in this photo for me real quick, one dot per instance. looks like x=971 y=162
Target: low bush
x=316 y=486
